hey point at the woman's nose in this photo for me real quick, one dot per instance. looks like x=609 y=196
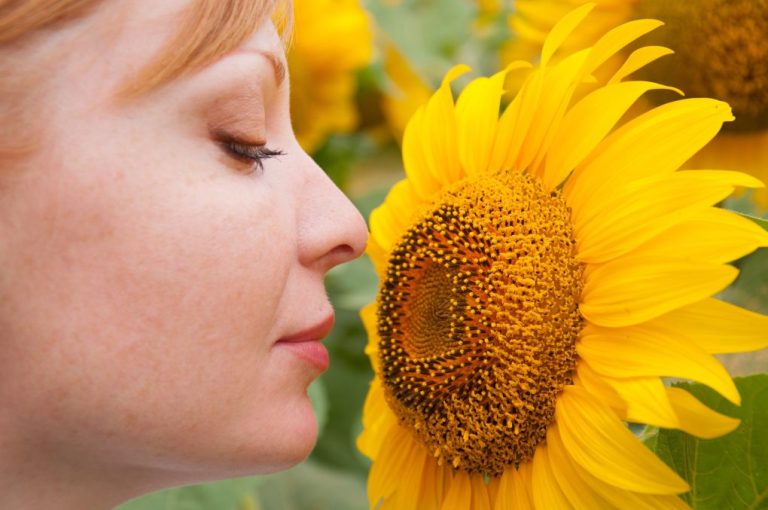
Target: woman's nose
x=331 y=229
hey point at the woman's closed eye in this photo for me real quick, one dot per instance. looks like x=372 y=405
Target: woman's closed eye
x=252 y=154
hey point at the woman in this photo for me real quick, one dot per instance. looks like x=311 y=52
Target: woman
x=164 y=242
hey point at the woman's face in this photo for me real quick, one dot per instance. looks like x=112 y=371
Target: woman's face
x=161 y=296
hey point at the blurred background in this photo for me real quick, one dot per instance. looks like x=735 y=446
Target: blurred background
x=359 y=68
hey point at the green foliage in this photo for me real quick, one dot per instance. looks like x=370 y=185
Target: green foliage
x=730 y=472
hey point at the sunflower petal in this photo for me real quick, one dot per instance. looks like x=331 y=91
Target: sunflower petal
x=716 y=326
x=410 y=484
x=736 y=237
x=379 y=257
x=385 y=228
x=384 y=477
x=562 y=30
x=611 y=226
x=631 y=290
x=698 y=419
x=600 y=443
x=378 y=421
x=620 y=498
x=441 y=138
x=544 y=488
x=596 y=385
x=616 y=39
x=655 y=143
x=603 y=107
x=481 y=499
x=579 y=494
x=414 y=157
x=460 y=493
x=637 y=352
x=429 y=149
x=477 y=112
x=646 y=400
x=639 y=58
x=513 y=489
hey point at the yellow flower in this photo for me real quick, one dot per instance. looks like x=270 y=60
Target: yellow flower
x=408 y=91
x=541 y=271
x=721 y=51
x=332 y=41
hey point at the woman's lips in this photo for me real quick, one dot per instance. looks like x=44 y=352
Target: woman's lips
x=306 y=343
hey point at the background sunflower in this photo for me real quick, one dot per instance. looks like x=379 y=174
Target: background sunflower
x=720 y=50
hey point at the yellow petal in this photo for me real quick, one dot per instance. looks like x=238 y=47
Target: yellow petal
x=601 y=444
x=603 y=107
x=378 y=421
x=514 y=489
x=368 y=316
x=629 y=291
x=477 y=112
x=385 y=229
x=616 y=39
x=404 y=204
x=558 y=87
x=460 y=493
x=638 y=59
x=646 y=400
x=596 y=385
x=562 y=30
x=435 y=483
x=655 y=143
x=379 y=257
x=440 y=140
x=620 y=498
x=613 y=225
x=391 y=462
x=716 y=326
x=712 y=235
x=637 y=352
x=429 y=150
x=698 y=419
x=481 y=499
x=410 y=482
x=544 y=487
x=415 y=158
x=579 y=494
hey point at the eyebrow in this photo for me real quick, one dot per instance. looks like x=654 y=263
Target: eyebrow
x=277 y=64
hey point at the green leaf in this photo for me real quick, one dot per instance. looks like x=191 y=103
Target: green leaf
x=730 y=472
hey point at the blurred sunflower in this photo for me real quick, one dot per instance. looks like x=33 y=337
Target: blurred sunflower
x=541 y=272
x=332 y=40
x=721 y=51
x=407 y=92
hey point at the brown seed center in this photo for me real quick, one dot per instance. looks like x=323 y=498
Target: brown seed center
x=478 y=321
x=721 y=51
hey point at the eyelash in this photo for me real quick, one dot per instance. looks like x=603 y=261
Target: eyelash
x=250 y=153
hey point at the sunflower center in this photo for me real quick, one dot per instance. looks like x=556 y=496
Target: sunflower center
x=721 y=51
x=478 y=321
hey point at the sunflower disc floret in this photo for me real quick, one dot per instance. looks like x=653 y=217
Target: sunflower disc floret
x=478 y=322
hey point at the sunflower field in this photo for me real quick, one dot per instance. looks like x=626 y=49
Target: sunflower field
x=564 y=298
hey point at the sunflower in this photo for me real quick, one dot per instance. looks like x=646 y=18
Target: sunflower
x=721 y=51
x=541 y=271
x=407 y=91
x=332 y=41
